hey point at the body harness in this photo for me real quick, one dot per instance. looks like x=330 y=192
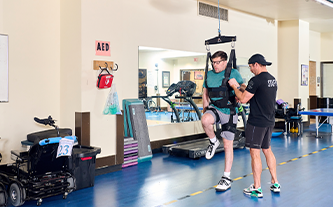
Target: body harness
x=223 y=91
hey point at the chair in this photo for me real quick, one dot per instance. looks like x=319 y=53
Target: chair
x=38 y=173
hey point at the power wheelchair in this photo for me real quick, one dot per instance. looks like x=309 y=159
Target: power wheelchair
x=38 y=173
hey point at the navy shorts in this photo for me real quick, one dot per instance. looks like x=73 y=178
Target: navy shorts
x=258 y=137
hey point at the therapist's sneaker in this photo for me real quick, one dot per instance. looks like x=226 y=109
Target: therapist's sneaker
x=211 y=149
x=251 y=191
x=224 y=184
x=276 y=188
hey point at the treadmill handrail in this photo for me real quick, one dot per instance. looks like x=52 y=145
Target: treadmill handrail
x=167 y=99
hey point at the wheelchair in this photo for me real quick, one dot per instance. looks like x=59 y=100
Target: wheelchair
x=38 y=173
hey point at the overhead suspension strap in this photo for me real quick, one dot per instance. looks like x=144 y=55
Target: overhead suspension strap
x=218 y=10
x=219 y=39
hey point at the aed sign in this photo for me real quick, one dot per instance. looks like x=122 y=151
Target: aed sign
x=102 y=48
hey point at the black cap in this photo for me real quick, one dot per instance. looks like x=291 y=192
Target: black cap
x=258 y=58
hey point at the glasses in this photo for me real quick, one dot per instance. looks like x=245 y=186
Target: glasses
x=217 y=62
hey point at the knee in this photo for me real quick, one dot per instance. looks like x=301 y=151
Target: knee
x=228 y=144
x=265 y=151
x=207 y=120
x=255 y=153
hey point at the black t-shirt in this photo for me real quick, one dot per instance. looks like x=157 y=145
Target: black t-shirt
x=262 y=104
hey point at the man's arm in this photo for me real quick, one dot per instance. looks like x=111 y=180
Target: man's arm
x=205 y=99
x=242 y=95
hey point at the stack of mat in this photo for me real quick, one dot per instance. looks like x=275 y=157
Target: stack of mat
x=130 y=152
x=135 y=125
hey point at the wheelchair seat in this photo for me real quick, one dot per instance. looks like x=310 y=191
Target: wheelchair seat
x=37 y=136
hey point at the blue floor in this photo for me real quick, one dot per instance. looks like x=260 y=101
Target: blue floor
x=304 y=171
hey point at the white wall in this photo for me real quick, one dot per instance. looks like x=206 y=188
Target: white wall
x=70 y=61
x=288 y=61
x=33 y=28
x=326 y=46
x=303 y=58
x=53 y=45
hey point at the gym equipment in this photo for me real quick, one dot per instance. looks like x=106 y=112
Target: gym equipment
x=149 y=104
x=130 y=152
x=186 y=90
x=135 y=126
x=195 y=149
x=290 y=115
x=277 y=132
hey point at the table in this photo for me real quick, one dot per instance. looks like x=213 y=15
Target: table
x=320 y=112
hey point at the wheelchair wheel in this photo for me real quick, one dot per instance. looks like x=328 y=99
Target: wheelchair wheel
x=71 y=184
x=151 y=105
x=16 y=194
x=3 y=195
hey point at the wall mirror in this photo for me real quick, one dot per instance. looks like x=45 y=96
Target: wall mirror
x=159 y=68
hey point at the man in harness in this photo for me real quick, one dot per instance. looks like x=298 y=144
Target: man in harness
x=219 y=106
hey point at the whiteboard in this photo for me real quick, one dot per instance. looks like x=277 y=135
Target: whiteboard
x=3 y=68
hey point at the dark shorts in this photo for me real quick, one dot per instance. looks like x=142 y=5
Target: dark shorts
x=258 y=137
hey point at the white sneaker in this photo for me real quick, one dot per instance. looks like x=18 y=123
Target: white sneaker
x=251 y=191
x=224 y=184
x=276 y=188
x=211 y=149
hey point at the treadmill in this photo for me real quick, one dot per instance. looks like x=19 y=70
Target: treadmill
x=195 y=149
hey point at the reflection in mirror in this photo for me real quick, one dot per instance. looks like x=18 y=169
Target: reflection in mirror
x=159 y=69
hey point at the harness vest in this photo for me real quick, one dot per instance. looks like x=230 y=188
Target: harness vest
x=223 y=91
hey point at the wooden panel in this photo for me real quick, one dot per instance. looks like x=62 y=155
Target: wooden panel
x=102 y=63
x=312 y=78
x=297 y=101
x=105 y=161
x=120 y=138
x=82 y=127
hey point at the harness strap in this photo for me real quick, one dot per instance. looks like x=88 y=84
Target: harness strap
x=206 y=69
x=214 y=110
x=230 y=126
x=231 y=64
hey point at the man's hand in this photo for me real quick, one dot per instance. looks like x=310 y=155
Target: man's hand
x=233 y=83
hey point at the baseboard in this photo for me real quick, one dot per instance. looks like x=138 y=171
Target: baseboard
x=108 y=169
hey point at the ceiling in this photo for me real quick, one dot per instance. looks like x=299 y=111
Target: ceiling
x=320 y=17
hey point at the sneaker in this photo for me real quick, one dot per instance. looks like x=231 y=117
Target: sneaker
x=276 y=187
x=224 y=184
x=211 y=149
x=253 y=192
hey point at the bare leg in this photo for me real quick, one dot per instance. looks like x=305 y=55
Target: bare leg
x=207 y=121
x=271 y=163
x=229 y=154
x=256 y=166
